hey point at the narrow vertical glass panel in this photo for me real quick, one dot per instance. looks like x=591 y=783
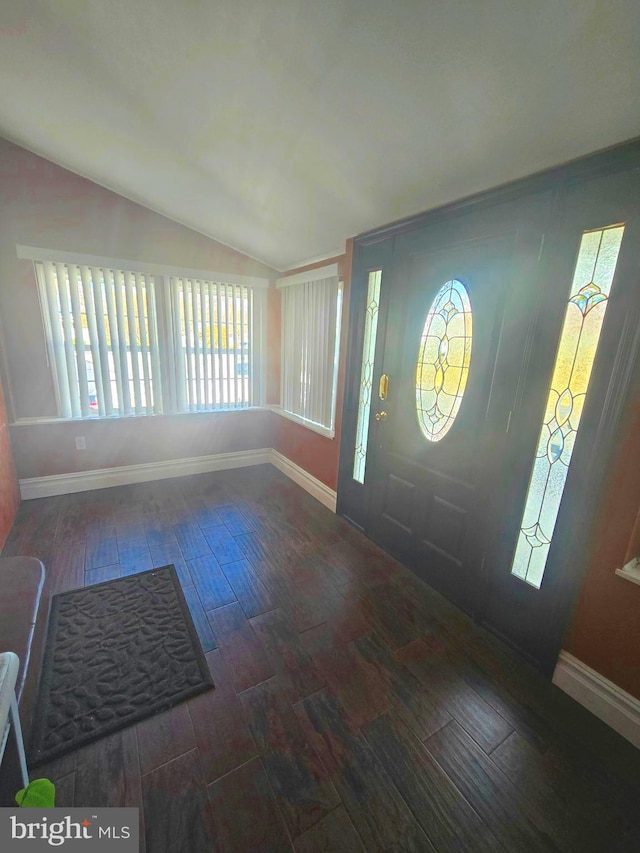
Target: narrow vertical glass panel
x=588 y=300
x=443 y=360
x=366 y=374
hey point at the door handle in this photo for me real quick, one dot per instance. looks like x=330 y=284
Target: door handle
x=381 y=416
x=383 y=387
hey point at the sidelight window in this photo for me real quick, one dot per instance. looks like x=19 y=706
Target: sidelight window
x=586 y=308
x=366 y=374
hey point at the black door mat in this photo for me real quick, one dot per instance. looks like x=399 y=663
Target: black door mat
x=116 y=652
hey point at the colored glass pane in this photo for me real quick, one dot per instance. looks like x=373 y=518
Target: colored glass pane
x=443 y=361
x=366 y=374
x=592 y=281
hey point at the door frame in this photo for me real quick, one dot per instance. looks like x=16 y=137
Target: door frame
x=380 y=243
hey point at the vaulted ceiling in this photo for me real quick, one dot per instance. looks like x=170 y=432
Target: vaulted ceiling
x=282 y=127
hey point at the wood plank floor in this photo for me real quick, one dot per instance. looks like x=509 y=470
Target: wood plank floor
x=355 y=708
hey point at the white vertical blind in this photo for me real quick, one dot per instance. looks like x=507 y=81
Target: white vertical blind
x=68 y=366
x=101 y=312
x=87 y=292
x=125 y=342
x=102 y=328
x=154 y=349
x=48 y=287
x=309 y=352
x=213 y=346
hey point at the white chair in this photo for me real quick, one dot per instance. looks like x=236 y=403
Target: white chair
x=9 y=717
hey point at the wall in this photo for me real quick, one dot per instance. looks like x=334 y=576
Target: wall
x=314 y=452
x=45 y=449
x=46 y=206
x=605 y=631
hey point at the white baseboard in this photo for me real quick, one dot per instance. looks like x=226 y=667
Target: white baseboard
x=602 y=697
x=84 y=481
x=102 y=478
x=309 y=483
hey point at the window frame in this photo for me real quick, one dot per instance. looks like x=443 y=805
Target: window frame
x=318 y=274
x=162 y=275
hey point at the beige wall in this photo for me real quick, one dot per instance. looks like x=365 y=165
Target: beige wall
x=44 y=449
x=46 y=206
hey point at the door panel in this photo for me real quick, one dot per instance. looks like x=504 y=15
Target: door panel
x=429 y=497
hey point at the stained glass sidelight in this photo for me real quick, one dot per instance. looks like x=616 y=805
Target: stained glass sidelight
x=366 y=374
x=583 y=320
x=443 y=360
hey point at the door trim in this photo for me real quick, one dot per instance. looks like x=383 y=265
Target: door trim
x=615 y=158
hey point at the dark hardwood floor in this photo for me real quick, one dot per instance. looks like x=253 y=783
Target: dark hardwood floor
x=354 y=708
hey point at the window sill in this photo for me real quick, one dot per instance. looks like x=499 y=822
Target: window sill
x=314 y=427
x=630 y=571
x=112 y=418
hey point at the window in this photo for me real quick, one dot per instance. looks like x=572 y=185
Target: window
x=586 y=307
x=213 y=344
x=138 y=342
x=103 y=331
x=444 y=356
x=366 y=374
x=311 y=310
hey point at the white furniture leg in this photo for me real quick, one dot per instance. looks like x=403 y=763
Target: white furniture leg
x=9 y=716
x=17 y=731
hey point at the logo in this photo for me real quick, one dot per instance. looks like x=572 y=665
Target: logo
x=27 y=830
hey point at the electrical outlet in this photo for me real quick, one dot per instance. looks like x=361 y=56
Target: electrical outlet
x=81 y=442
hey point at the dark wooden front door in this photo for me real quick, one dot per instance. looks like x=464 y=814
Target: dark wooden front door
x=437 y=458
x=456 y=509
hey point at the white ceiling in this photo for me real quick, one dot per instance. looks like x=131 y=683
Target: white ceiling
x=282 y=127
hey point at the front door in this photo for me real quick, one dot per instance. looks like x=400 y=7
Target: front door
x=484 y=401
x=438 y=434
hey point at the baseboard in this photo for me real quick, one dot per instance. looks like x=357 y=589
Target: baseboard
x=83 y=481
x=103 y=478
x=309 y=483
x=602 y=697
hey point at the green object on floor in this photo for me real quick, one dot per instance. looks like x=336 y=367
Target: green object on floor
x=39 y=794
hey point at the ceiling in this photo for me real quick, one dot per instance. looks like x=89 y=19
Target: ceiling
x=282 y=127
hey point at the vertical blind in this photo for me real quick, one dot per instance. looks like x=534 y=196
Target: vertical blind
x=213 y=343
x=103 y=330
x=131 y=343
x=309 y=349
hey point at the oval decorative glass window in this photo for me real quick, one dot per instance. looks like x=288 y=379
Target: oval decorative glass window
x=443 y=360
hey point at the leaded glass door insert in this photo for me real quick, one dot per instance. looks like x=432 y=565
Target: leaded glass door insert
x=444 y=356
x=366 y=374
x=586 y=307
